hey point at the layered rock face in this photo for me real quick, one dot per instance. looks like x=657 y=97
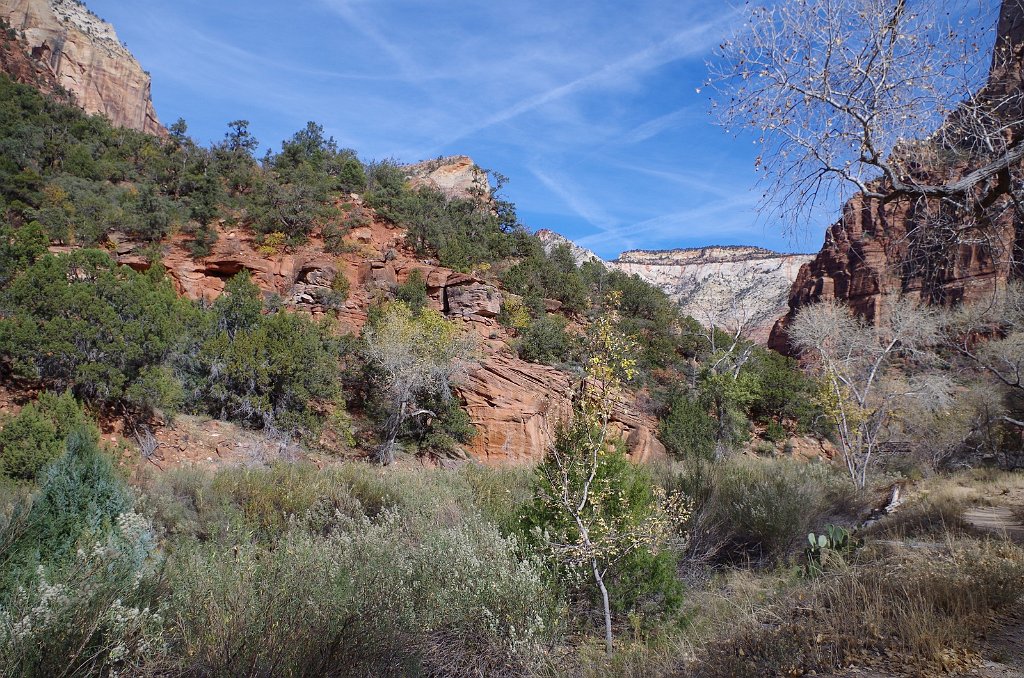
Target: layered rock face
x=83 y=55
x=517 y=406
x=877 y=252
x=727 y=286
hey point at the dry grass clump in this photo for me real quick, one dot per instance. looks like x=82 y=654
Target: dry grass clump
x=759 y=511
x=733 y=598
x=923 y=604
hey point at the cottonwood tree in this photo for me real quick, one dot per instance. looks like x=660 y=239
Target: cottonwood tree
x=723 y=380
x=884 y=97
x=589 y=523
x=862 y=389
x=417 y=357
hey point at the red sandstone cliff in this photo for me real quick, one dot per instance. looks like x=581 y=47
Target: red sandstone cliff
x=68 y=45
x=881 y=250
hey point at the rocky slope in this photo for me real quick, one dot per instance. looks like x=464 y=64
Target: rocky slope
x=879 y=251
x=725 y=285
x=580 y=255
x=515 y=405
x=71 y=46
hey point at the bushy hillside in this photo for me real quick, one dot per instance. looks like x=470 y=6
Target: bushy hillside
x=119 y=338
x=314 y=560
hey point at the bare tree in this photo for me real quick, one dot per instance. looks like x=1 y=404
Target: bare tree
x=992 y=335
x=855 y=359
x=416 y=357
x=935 y=431
x=884 y=97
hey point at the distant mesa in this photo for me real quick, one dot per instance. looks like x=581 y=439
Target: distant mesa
x=728 y=285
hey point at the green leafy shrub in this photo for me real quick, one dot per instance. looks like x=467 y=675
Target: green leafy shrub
x=687 y=429
x=443 y=434
x=340 y=288
x=77 y=560
x=540 y=275
x=775 y=432
x=545 y=340
x=761 y=510
x=641 y=581
x=413 y=292
x=37 y=435
x=80 y=321
x=784 y=392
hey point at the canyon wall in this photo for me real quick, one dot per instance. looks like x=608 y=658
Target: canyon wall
x=82 y=53
x=879 y=251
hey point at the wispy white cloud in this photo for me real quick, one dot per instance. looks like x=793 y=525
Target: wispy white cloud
x=359 y=19
x=695 y=180
x=576 y=200
x=709 y=222
x=656 y=126
x=694 y=40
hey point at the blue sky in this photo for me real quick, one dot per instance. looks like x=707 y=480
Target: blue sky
x=590 y=108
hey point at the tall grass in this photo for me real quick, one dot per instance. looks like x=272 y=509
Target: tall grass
x=922 y=605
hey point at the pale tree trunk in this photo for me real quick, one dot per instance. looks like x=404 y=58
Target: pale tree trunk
x=606 y=607
x=386 y=451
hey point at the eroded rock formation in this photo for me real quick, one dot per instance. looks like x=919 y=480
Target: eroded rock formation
x=82 y=54
x=515 y=405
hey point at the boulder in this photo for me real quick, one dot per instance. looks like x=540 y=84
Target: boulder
x=466 y=296
x=516 y=407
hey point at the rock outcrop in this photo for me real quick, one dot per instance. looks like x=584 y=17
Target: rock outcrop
x=82 y=54
x=580 y=255
x=18 y=64
x=456 y=176
x=517 y=405
x=879 y=251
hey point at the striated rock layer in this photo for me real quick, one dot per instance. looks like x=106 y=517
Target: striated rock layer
x=727 y=286
x=877 y=252
x=83 y=54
